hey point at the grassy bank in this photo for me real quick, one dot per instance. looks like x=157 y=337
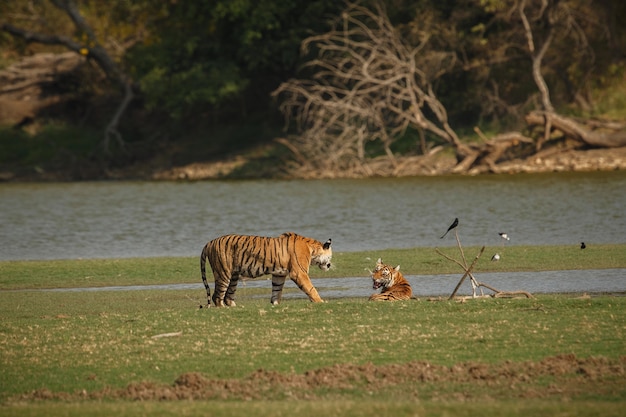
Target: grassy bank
x=416 y=261
x=98 y=353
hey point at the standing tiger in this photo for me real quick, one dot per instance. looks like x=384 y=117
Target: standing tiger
x=394 y=285
x=289 y=255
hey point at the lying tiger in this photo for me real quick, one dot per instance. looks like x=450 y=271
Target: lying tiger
x=394 y=285
x=289 y=255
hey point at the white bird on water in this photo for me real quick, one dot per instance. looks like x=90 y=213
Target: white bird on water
x=504 y=236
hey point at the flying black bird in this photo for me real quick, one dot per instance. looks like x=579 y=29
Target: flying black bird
x=504 y=236
x=454 y=224
x=582 y=245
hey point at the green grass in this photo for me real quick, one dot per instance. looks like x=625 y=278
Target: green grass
x=89 y=341
x=416 y=261
x=69 y=342
x=609 y=98
x=57 y=340
x=97 y=272
x=49 y=147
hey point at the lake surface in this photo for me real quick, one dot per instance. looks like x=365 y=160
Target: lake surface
x=147 y=219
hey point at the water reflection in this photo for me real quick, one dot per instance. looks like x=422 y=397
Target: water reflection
x=133 y=219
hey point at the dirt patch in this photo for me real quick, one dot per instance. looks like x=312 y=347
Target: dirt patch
x=572 y=160
x=567 y=375
x=199 y=170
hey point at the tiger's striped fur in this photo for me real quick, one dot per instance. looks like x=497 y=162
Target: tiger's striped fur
x=392 y=283
x=289 y=255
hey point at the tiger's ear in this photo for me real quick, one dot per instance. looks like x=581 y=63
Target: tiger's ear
x=397 y=268
x=379 y=261
x=327 y=243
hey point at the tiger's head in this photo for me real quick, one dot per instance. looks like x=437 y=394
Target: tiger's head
x=384 y=275
x=322 y=255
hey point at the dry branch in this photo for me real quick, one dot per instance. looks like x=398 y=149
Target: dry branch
x=475 y=283
x=468 y=271
x=162 y=335
x=367 y=85
x=93 y=51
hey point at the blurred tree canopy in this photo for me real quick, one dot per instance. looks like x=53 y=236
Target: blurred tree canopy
x=185 y=57
x=223 y=53
x=218 y=61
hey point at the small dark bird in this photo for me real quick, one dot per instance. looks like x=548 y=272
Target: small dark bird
x=504 y=236
x=454 y=224
x=582 y=245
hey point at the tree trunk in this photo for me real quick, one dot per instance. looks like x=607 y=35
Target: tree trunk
x=95 y=52
x=537 y=57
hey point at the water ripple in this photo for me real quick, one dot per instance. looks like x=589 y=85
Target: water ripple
x=150 y=219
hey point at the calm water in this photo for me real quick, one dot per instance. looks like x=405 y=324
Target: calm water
x=143 y=219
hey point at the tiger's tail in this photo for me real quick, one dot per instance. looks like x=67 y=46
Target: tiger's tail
x=203 y=256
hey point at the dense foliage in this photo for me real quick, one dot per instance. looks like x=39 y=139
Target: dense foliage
x=215 y=63
x=223 y=53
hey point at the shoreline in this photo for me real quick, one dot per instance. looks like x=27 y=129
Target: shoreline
x=415 y=261
x=439 y=164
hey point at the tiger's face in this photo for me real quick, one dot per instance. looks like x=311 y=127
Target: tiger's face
x=383 y=275
x=323 y=255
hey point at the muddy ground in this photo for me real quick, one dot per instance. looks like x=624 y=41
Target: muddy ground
x=567 y=377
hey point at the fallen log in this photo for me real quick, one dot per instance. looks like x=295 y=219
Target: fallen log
x=575 y=130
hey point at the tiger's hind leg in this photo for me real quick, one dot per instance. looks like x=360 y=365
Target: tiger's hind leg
x=222 y=284
x=277 y=289
x=380 y=297
x=390 y=296
x=229 y=297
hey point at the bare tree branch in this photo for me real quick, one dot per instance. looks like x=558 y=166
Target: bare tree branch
x=92 y=50
x=537 y=56
x=367 y=85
